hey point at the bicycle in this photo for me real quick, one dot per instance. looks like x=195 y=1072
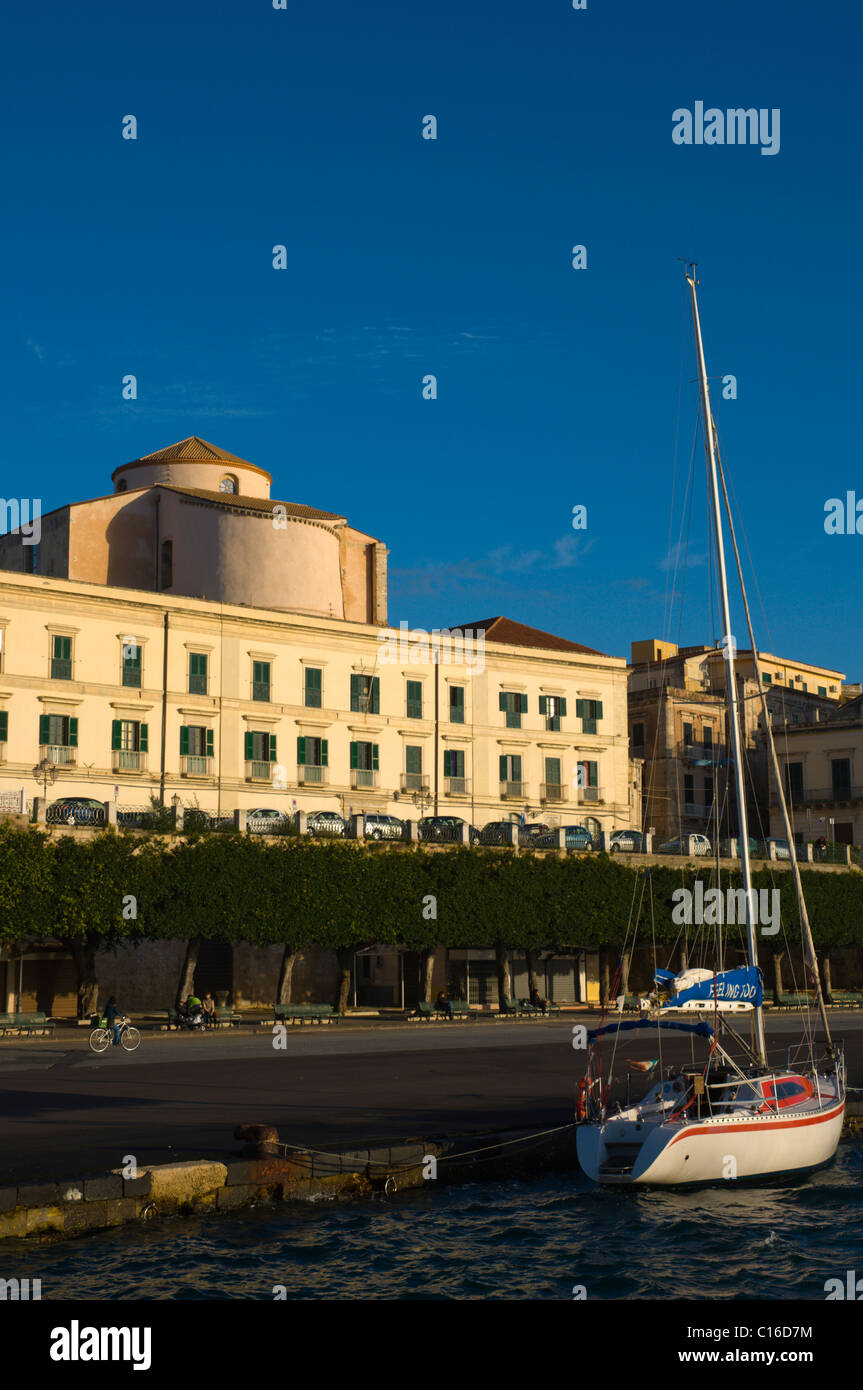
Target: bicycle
x=102 y=1036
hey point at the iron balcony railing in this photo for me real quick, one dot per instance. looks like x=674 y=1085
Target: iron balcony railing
x=129 y=760
x=59 y=753
x=312 y=773
x=258 y=770
x=363 y=777
x=61 y=668
x=456 y=786
x=193 y=765
x=197 y=684
x=513 y=789
x=552 y=791
x=261 y=690
x=414 y=782
x=589 y=794
x=821 y=796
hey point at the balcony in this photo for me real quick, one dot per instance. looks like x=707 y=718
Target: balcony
x=513 y=719
x=258 y=770
x=61 y=668
x=708 y=754
x=59 y=753
x=843 y=795
x=413 y=782
x=697 y=811
x=513 y=791
x=197 y=685
x=128 y=760
x=312 y=774
x=193 y=765
x=261 y=691
x=456 y=786
x=363 y=777
x=552 y=791
x=585 y=795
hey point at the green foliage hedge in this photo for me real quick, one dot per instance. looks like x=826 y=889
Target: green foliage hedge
x=342 y=895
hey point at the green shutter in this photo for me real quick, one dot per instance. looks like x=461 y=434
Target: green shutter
x=209 y=743
x=324 y=752
x=502 y=768
x=184 y=741
x=522 y=704
x=272 y=758
x=44 y=728
x=355 y=692
x=353 y=756
x=413 y=759
x=73 y=733
x=116 y=734
x=249 y=745
x=598 y=704
x=592 y=778
x=543 y=704
x=4 y=725
x=301 y=752
x=374 y=757
x=502 y=701
x=62 y=648
x=516 y=767
x=579 y=709
x=561 y=706
x=376 y=695
x=143 y=736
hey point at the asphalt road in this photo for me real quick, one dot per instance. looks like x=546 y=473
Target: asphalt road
x=67 y=1113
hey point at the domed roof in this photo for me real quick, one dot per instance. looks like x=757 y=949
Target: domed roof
x=191 y=450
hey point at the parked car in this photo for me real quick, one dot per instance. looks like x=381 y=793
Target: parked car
x=528 y=834
x=497 y=832
x=700 y=845
x=444 y=830
x=325 y=823
x=265 y=820
x=384 y=827
x=782 y=849
x=626 y=842
x=76 y=810
x=574 y=837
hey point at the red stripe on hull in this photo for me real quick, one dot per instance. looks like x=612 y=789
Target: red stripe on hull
x=768 y=1124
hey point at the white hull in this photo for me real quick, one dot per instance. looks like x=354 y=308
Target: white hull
x=630 y=1152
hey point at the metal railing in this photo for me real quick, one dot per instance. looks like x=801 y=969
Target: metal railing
x=193 y=765
x=59 y=753
x=58 y=814
x=363 y=777
x=589 y=794
x=413 y=782
x=824 y=796
x=456 y=786
x=312 y=774
x=61 y=668
x=261 y=690
x=259 y=770
x=128 y=760
x=553 y=791
x=508 y=790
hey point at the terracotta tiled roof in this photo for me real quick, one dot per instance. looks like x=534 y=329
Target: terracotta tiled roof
x=191 y=450
x=519 y=635
x=264 y=505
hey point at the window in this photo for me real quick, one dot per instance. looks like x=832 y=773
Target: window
x=196 y=746
x=312 y=759
x=58 y=737
x=129 y=741
x=259 y=751
x=197 y=673
x=688 y=735
x=689 y=789
x=132 y=665
x=766 y=678
x=510 y=775
x=587 y=775
x=167 y=574
x=794 y=782
x=413 y=768
x=122 y=484
x=456 y=704
x=313 y=687
x=261 y=680
x=61 y=658
x=708 y=791
x=638 y=735
x=553 y=785
x=414 y=700
x=553 y=707
x=228 y=484
x=365 y=694
x=364 y=764
x=514 y=705
x=33 y=566
x=588 y=711
x=822 y=690
x=453 y=771
x=840 y=769
x=4 y=726
x=707 y=737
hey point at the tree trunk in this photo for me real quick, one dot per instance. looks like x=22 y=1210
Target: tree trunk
x=684 y=959
x=286 y=974
x=532 y=983
x=83 y=953
x=604 y=979
x=427 y=959
x=504 y=980
x=346 y=961
x=777 y=975
x=624 y=973
x=187 y=975
x=826 y=980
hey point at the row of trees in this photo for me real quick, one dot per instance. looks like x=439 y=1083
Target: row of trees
x=97 y=891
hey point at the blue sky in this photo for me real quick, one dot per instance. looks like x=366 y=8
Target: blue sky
x=407 y=257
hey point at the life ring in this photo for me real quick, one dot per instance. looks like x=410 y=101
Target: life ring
x=581 y=1100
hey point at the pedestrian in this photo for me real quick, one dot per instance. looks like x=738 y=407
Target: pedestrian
x=443 y=1004
x=209 y=1008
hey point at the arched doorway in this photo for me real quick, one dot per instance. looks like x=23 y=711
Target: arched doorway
x=214 y=972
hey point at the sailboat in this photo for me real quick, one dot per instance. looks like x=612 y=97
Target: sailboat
x=734 y=1116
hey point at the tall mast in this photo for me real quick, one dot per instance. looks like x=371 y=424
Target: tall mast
x=729 y=649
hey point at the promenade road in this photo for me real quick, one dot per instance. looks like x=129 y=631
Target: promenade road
x=65 y=1112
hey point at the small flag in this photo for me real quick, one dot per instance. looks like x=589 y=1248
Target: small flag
x=642 y=1066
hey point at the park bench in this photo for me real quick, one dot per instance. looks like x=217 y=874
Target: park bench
x=460 y=1009
x=846 y=998
x=26 y=1024
x=227 y=1018
x=798 y=1000
x=305 y=1013
x=510 y=1007
x=534 y=1011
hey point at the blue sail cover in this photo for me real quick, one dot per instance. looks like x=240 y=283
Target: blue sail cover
x=702 y=1029
x=743 y=986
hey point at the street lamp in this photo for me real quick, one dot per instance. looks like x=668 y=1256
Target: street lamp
x=421 y=799
x=46 y=773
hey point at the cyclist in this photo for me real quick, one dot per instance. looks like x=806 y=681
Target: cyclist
x=113 y=1014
